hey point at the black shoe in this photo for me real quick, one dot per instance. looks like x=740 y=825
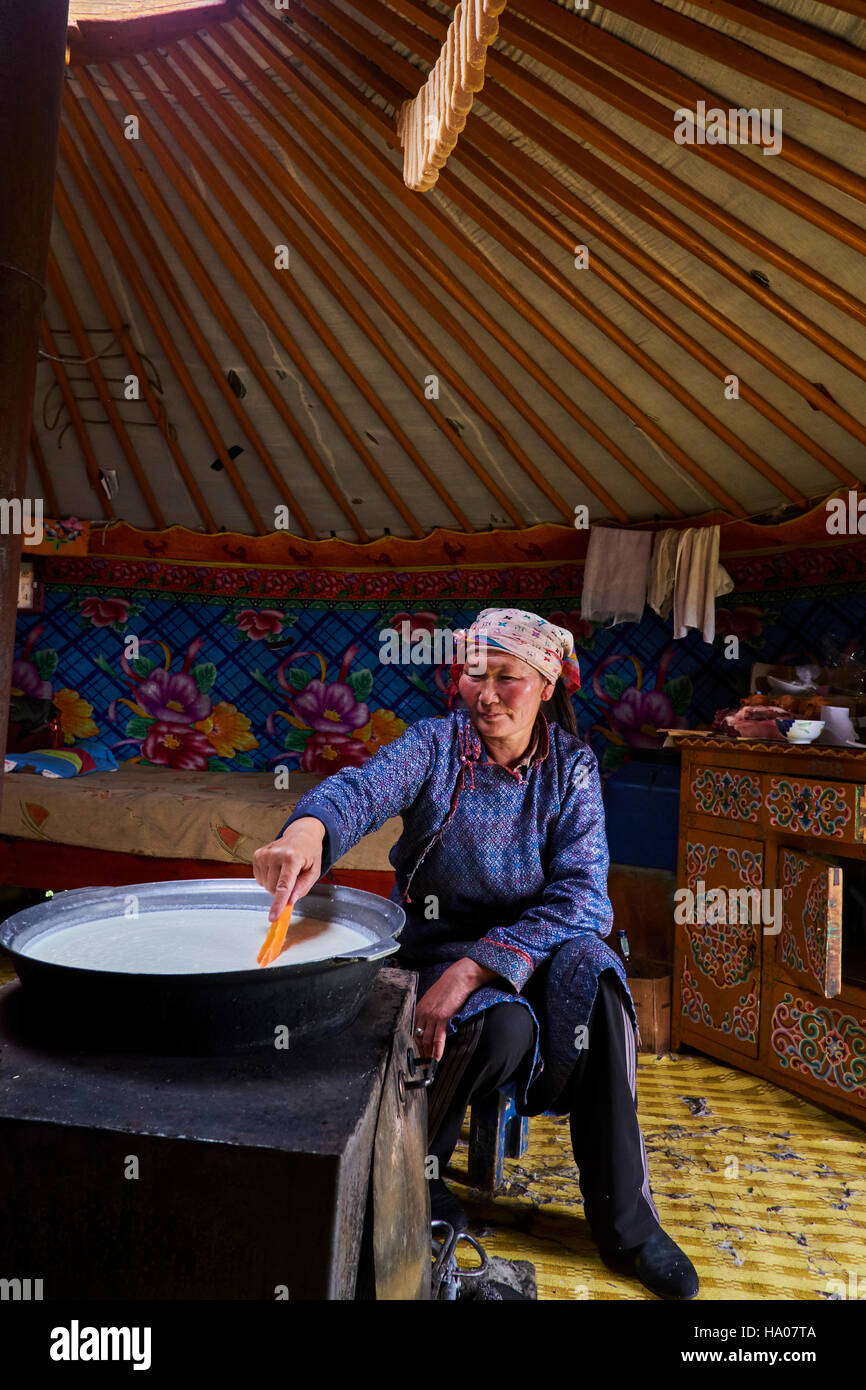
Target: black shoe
x=444 y=1206
x=659 y=1264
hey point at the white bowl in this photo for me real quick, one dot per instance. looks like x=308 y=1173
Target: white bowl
x=789 y=687
x=804 y=730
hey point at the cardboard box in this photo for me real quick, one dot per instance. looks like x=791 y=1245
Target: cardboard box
x=650 y=983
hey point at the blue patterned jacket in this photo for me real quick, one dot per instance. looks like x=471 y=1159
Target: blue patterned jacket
x=501 y=868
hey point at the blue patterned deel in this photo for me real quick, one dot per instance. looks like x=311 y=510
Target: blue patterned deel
x=492 y=866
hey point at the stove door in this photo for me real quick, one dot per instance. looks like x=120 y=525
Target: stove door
x=401 y=1196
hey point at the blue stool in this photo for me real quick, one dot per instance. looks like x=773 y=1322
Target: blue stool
x=496 y=1132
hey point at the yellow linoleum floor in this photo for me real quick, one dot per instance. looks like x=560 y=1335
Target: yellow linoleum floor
x=765 y=1192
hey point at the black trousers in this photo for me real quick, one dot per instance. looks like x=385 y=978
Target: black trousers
x=496 y=1047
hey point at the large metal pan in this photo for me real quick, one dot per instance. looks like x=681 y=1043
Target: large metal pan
x=202 y=1013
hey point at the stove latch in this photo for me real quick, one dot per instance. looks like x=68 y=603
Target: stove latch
x=421 y=1071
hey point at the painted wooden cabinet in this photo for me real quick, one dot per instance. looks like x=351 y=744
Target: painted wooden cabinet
x=770 y=932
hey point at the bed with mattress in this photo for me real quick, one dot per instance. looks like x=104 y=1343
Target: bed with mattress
x=144 y=824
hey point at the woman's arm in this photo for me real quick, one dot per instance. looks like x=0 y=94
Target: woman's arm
x=345 y=807
x=574 y=900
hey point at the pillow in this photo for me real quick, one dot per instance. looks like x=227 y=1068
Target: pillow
x=63 y=762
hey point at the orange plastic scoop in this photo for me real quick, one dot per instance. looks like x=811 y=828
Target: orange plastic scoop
x=276 y=937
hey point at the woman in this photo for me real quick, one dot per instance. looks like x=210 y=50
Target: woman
x=502 y=871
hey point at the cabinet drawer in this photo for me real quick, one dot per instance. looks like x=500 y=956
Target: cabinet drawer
x=818 y=1043
x=717 y=791
x=828 y=810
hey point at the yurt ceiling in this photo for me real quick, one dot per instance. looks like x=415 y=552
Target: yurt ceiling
x=232 y=231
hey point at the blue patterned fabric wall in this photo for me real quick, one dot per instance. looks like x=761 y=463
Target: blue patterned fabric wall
x=243 y=684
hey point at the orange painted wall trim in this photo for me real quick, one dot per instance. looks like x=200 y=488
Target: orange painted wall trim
x=534 y=546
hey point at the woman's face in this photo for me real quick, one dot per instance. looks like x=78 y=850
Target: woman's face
x=503 y=694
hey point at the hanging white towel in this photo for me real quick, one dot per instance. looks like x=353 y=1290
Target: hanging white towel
x=663 y=567
x=699 y=581
x=615 y=576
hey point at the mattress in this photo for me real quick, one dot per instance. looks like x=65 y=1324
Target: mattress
x=169 y=814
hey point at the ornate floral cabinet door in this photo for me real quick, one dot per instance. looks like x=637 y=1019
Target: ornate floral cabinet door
x=809 y=947
x=818 y=1049
x=720 y=957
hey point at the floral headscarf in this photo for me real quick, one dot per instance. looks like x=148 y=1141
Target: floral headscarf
x=545 y=647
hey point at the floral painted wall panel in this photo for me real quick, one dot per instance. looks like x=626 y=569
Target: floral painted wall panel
x=238 y=679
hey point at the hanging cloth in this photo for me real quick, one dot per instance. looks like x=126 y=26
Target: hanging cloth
x=616 y=575
x=663 y=568
x=699 y=581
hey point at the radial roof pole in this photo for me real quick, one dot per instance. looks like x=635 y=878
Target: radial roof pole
x=32 y=64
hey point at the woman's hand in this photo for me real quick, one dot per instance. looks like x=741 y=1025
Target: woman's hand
x=443 y=999
x=288 y=867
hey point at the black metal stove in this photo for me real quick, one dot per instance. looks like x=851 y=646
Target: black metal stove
x=294 y=1175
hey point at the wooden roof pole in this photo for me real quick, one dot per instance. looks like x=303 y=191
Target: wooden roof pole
x=230 y=257
x=190 y=260
x=250 y=357
x=655 y=116
x=857 y=7
x=603 y=43
x=482 y=410
x=793 y=32
x=239 y=340
x=32 y=42
x=487 y=141
x=315 y=215
x=484 y=137
x=535 y=212
x=426 y=212
x=570 y=152
x=85 y=350
x=154 y=255
x=661 y=77
x=530 y=256
x=804 y=387
x=629 y=195
x=60 y=376
x=116 y=241
x=255 y=184
x=487 y=217
x=731 y=53
x=622 y=190
x=44 y=476
x=295 y=193
x=348 y=211
x=612 y=90
x=98 y=283
x=443 y=229
x=122 y=252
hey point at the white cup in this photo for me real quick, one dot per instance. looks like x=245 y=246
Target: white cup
x=838 y=728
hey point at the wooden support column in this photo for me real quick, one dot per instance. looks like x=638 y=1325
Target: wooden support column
x=32 y=63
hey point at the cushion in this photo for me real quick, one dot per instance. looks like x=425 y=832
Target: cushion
x=63 y=762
